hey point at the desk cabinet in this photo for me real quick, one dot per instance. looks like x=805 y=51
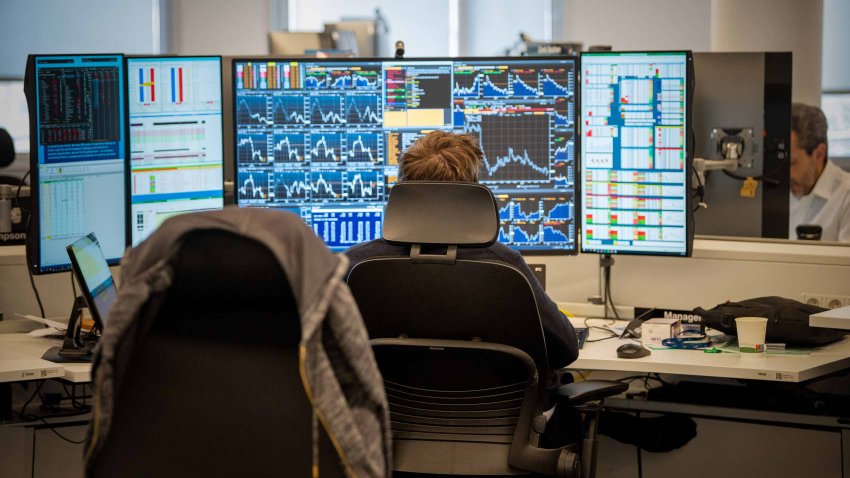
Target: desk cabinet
x=16 y=452
x=736 y=443
x=57 y=457
x=29 y=451
x=725 y=448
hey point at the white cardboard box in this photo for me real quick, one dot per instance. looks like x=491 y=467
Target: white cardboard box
x=653 y=331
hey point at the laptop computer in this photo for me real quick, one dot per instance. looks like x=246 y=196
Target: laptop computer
x=99 y=292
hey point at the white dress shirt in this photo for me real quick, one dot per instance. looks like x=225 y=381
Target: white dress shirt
x=828 y=205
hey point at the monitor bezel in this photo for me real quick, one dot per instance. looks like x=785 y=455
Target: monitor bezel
x=33 y=244
x=128 y=196
x=576 y=59
x=689 y=157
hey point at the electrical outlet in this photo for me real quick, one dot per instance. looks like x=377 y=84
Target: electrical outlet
x=827 y=301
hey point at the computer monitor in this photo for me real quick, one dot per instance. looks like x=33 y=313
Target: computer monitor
x=323 y=138
x=636 y=153
x=93 y=275
x=175 y=135
x=14 y=116
x=77 y=155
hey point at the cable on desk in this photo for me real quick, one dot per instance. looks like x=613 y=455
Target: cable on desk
x=606 y=329
x=600 y=340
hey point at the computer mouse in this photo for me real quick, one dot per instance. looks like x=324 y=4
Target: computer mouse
x=631 y=351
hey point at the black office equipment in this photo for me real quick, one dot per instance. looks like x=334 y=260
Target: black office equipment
x=632 y=351
x=787 y=320
x=98 y=294
x=460 y=344
x=214 y=388
x=322 y=138
x=77 y=155
x=92 y=273
x=809 y=232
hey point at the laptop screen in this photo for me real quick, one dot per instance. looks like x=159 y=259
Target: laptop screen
x=94 y=277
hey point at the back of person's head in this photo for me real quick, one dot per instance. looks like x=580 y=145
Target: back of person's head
x=441 y=156
x=809 y=123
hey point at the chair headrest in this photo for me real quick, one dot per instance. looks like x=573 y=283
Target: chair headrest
x=441 y=212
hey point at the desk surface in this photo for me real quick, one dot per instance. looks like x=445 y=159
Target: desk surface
x=774 y=367
x=20 y=359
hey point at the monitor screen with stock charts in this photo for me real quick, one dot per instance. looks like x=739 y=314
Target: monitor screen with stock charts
x=322 y=138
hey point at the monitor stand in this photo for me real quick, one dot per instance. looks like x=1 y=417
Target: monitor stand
x=605 y=263
x=73 y=348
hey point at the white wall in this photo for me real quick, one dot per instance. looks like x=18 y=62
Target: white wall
x=78 y=26
x=422 y=25
x=489 y=27
x=639 y=25
x=775 y=25
x=836 y=45
x=221 y=27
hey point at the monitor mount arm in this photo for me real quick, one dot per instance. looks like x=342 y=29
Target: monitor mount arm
x=734 y=147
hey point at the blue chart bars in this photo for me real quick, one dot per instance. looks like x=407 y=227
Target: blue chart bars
x=323 y=138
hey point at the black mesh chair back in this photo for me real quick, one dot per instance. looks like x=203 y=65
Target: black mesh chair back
x=214 y=388
x=459 y=342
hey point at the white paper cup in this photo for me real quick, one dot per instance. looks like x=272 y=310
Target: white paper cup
x=751 y=332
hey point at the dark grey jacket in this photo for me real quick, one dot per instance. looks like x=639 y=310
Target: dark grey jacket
x=348 y=394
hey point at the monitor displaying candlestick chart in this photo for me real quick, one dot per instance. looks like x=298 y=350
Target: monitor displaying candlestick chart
x=636 y=152
x=323 y=138
x=176 y=144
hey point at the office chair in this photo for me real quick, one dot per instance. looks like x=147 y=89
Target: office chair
x=214 y=388
x=460 y=344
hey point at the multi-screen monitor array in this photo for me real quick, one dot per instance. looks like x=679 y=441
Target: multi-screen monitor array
x=121 y=144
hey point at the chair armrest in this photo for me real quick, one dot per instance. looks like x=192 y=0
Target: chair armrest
x=577 y=393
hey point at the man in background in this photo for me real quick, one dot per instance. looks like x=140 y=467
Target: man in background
x=820 y=190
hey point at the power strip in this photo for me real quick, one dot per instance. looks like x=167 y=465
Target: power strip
x=826 y=301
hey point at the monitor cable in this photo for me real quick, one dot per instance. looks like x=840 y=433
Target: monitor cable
x=29 y=271
x=29 y=231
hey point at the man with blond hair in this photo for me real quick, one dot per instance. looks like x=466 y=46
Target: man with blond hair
x=444 y=156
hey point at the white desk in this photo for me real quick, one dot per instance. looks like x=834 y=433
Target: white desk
x=20 y=359
x=832 y=319
x=780 y=368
